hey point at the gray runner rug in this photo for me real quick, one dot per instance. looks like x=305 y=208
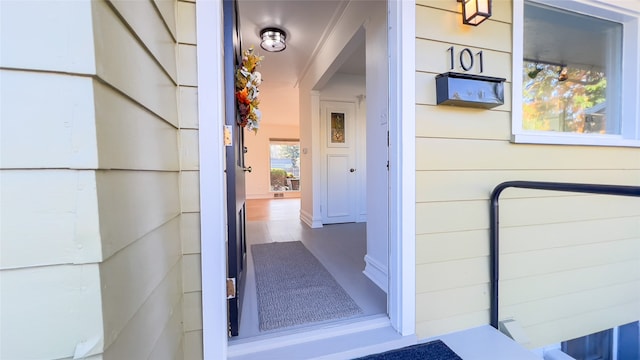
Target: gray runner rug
x=293 y=288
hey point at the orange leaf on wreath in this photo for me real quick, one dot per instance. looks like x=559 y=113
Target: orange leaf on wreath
x=243 y=96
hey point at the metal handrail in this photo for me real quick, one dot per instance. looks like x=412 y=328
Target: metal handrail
x=494 y=235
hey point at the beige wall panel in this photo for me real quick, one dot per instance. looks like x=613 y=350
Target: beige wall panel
x=192 y=309
x=437 y=327
x=435 y=57
x=502 y=155
x=125 y=64
x=131 y=276
x=138 y=311
x=130 y=137
x=47 y=120
x=258 y=181
x=53 y=211
x=570 y=305
x=188 y=107
x=447 y=27
x=513 y=266
x=50 y=312
x=500 y=11
x=426 y=95
x=191 y=273
x=532 y=288
x=186 y=23
x=193 y=345
x=167 y=9
x=547 y=236
x=190 y=233
x=169 y=345
x=452 y=302
x=190 y=191
x=451 y=246
x=451 y=216
x=47 y=35
x=544 y=210
x=478 y=185
x=189 y=150
x=134 y=203
x=150 y=28
x=456 y=122
x=187 y=65
x=581 y=325
x=459 y=273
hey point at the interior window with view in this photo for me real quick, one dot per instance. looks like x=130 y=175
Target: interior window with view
x=285 y=165
x=571 y=72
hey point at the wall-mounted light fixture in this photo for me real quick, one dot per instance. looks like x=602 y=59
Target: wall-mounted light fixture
x=475 y=12
x=273 y=39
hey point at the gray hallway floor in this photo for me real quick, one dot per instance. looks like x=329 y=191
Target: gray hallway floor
x=340 y=248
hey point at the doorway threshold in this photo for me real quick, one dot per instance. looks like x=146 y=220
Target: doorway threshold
x=338 y=340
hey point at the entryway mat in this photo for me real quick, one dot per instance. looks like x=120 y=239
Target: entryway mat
x=294 y=288
x=433 y=350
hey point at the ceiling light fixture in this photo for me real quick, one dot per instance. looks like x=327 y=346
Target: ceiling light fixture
x=273 y=39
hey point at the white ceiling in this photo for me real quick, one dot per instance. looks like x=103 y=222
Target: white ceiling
x=306 y=23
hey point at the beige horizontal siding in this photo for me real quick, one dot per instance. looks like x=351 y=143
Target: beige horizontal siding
x=537 y=287
x=53 y=211
x=438 y=60
x=446 y=26
x=193 y=345
x=501 y=10
x=467 y=155
x=167 y=9
x=124 y=63
x=150 y=28
x=186 y=22
x=134 y=203
x=131 y=137
x=462 y=123
x=58 y=132
x=572 y=327
x=570 y=263
x=191 y=322
x=452 y=302
x=48 y=312
x=470 y=184
x=140 y=318
x=48 y=36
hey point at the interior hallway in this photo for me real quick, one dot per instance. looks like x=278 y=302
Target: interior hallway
x=340 y=248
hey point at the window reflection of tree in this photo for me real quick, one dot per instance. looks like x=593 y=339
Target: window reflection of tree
x=569 y=99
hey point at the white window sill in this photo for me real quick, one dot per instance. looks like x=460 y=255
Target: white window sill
x=554 y=138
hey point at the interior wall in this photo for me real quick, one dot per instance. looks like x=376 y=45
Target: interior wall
x=324 y=65
x=377 y=150
x=565 y=258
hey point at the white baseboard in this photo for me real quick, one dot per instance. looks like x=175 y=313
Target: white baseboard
x=376 y=272
x=309 y=220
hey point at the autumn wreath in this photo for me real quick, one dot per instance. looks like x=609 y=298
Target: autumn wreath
x=247 y=82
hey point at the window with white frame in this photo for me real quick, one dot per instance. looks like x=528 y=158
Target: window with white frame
x=576 y=76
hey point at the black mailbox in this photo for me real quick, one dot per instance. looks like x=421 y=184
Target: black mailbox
x=469 y=90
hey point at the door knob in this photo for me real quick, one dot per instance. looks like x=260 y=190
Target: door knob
x=352 y=170
x=247 y=169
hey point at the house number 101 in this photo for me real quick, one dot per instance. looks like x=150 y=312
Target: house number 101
x=466 y=59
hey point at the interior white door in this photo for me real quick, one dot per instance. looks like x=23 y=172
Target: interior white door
x=339 y=140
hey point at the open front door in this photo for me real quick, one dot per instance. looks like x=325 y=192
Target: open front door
x=236 y=246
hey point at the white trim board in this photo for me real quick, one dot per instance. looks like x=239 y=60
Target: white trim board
x=401 y=300
x=212 y=199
